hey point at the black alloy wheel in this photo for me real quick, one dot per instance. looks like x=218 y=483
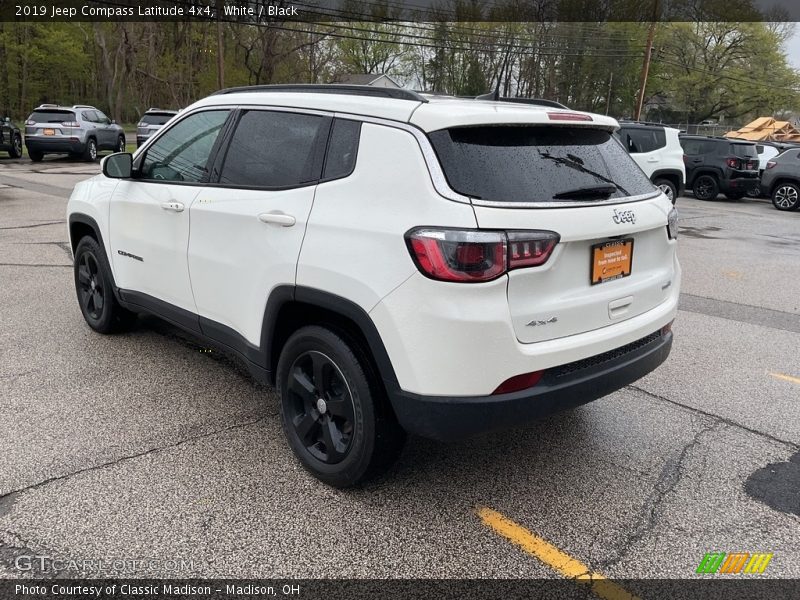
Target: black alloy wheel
x=121 y=144
x=320 y=407
x=705 y=188
x=91 y=289
x=16 y=147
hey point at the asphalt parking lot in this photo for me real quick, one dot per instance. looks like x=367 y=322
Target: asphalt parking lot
x=150 y=445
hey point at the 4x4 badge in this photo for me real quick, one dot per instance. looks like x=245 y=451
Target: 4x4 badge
x=624 y=216
x=536 y=323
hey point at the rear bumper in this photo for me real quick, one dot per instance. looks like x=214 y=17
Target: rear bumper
x=561 y=388
x=39 y=144
x=740 y=184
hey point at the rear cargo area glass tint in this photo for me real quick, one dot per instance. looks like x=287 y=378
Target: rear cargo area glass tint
x=511 y=163
x=52 y=116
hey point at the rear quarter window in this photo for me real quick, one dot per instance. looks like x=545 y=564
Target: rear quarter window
x=530 y=164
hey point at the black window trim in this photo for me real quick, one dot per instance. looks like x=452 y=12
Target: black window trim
x=319 y=159
x=212 y=157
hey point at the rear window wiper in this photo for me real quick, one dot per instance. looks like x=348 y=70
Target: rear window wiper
x=573 y=164
x=588 y=192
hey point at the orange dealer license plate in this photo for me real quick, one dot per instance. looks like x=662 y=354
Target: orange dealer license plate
x=49 y=132
x=611 y=260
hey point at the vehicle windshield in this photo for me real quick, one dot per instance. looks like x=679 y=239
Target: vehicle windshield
x=529 y=163
x=51 y=116
x=156 y=118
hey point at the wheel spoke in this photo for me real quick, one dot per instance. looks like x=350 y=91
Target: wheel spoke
x=306 y=425
x=341 y=406
x=97 y=298
x=83 y=275
x=301 y=385
x=332 y=437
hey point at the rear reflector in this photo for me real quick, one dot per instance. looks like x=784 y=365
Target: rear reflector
x=519 y=382
x=568 y=116
x=667 y=328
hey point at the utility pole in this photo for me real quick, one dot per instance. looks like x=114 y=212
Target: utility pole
x=608 y=98
x=220 y=49
x=648 y=54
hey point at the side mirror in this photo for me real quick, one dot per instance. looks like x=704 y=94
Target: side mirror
x=118 y=166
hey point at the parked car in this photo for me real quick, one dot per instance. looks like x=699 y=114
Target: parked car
x=393 y=262
x=781 y=180
x=151 y=121
x=766 y=152
x=657 y=150
x=80 y=131
x=10 y=138
x=715 y=165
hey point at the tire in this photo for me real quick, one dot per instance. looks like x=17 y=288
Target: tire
x=90 y=153
x=16 y=147
x=334 y=412
x=35 y=155
x=734 y=195
x=94 y=286
x=786 y=196
x=705 y=187
x=669 y=189
x=120 y=144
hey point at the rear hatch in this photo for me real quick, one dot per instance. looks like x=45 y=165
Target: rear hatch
x=52 y=122
x=152 y=122
x=743 y=159
x=614 y=259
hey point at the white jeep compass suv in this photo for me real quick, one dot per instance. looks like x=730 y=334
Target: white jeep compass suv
x=392 y=262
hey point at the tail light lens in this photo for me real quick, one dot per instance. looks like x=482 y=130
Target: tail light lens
x=732 y=163
x=672 y=224
x=771 y=164
x=29 y=122
x=467 y=255
x=71 y=124
x=141 y=124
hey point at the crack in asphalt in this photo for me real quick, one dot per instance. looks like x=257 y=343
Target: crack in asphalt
x=34 y=225
x=10 y=497
x=670 y=477
x=718 y=418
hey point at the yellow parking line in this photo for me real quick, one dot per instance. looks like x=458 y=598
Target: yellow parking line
x=786 y=377
x=553 y=557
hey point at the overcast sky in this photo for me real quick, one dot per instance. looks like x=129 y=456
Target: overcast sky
x=793 y=49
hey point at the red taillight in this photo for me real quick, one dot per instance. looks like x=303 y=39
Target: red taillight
x=568 y=116
x=732 y=163
x=771 y=164
x=71 y=124
x=466 y=255
x=519 y=382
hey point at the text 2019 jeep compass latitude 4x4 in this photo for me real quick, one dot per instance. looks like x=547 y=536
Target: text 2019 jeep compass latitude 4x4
x=392 y=262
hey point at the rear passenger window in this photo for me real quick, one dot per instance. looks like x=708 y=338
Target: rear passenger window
x=275 y=149
x=342 y=149
x=637 y=140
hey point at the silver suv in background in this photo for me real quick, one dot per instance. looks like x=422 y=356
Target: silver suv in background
x=151 y=121
x=79 y=130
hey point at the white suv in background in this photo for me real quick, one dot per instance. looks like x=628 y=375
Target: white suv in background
x=393 y=262
x=657 y=150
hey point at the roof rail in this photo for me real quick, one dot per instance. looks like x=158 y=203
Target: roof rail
x=334 y=88
x=82 y=106
x=537 y=101
x=47 y=105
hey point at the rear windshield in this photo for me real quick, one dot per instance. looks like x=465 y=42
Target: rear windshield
x=744 y=150
x=526 y=163
x=52 y=116
x=156 y=118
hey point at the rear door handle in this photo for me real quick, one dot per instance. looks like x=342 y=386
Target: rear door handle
x=277 y=218
x=173 y=206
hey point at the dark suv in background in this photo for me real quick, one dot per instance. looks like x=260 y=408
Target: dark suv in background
x=80 y=131
x=151 y=121
x=715 y=165
x=781 y=180
x=10 y=138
